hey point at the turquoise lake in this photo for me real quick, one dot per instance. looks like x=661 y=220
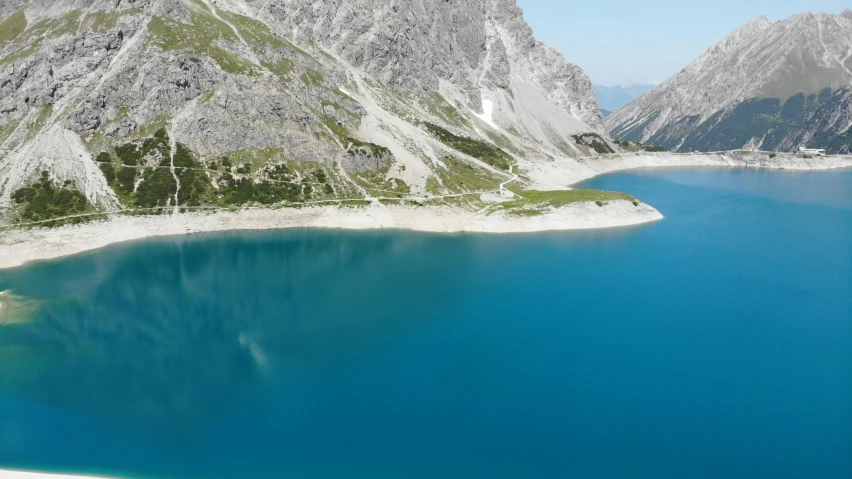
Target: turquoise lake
x=716 y=343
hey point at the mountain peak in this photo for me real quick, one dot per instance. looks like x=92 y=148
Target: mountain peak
x=753 y=72
x=761 y=21
x=847 y=14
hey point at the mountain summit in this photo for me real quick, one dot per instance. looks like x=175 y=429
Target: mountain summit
x=769 y=85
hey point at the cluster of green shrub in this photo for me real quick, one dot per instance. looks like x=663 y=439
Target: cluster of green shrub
x=459 y=176
x=158 y=186
x=374 y=149
x=241 y=191
x=158 y=143
x=376 y=182
x=593 y=141
x=481 y=150
x=322 y=177
x=278 y=172
x=121 y=177
x=636 y=146
x=283 y=174
x=194 y=184
x=51 y=204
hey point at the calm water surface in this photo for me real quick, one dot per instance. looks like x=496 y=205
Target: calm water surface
x=714 y=344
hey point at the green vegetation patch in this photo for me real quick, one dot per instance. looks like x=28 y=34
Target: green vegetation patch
x=129 y=154
x=44 y=114
x=51 y=204
x=480 y=150
x=200 y=38
x=369 y=149
x=104 y=21
x=158 y=144
x=437 y=105
x=378 y=184
x=252 y=158
x=282 y=68
x=49 y=28
x=206 y=96
x=13 y=26
x=7 y=129
x=194 y=184
x=150 y=128
x=313 y=77
x=34 y=35
x=593 y=141
x=109 y=172
x=636 y=147
x=777 y=123
x=461 y=177
x=258 y=34
x=538 y=202
x=157 y=189
x=22 y=53
x=242 y=191
x=123 y=179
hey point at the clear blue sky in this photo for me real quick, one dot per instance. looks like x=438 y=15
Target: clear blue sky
x=618 y=42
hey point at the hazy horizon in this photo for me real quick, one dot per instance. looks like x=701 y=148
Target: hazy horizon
x=621 y=43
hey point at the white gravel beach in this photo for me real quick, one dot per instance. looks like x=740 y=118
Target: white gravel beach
x=19 y=246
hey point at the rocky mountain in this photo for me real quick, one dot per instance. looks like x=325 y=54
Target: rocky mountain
x=775 y=86
x=147 y=105
x=613 y=98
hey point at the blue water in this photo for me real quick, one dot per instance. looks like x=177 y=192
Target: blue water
x=716 y=343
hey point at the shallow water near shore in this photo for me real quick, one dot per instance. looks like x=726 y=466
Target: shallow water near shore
x=715 y=343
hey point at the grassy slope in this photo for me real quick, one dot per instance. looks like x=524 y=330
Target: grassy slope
x=531 y=203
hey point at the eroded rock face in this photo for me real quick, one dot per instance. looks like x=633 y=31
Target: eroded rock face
x=296 y=76
x=417 y=44
x=754 y=71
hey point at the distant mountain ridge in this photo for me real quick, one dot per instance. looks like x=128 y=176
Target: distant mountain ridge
x=775 y=86
x=613 y=98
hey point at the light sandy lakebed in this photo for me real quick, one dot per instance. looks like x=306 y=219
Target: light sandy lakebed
x=5 y=474
x=20 y=246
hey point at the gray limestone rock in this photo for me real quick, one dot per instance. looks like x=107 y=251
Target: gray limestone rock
x=806 y=54
x=296 y=77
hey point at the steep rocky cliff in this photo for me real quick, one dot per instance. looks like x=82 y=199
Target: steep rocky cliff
x=768 y=85
x=153 y=104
